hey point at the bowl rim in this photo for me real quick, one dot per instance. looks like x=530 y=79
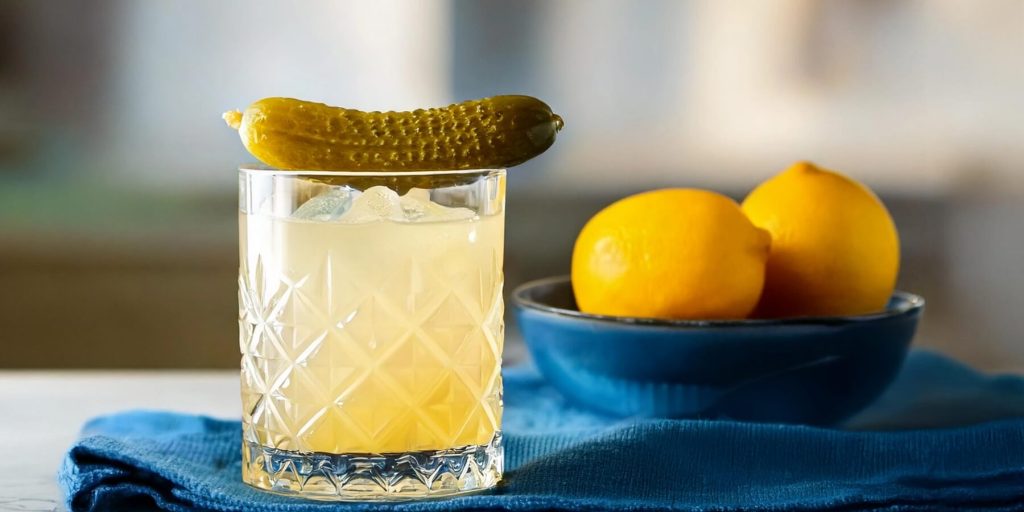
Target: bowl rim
x=906 y=303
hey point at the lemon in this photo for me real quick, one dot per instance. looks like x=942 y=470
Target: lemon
x=672 y=253
x=835 y=249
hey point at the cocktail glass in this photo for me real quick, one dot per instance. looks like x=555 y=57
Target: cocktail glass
x=371 y=331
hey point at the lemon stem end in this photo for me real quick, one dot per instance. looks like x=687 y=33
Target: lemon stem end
x=233 y=118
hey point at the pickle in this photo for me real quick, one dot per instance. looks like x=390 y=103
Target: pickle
x=496 y=132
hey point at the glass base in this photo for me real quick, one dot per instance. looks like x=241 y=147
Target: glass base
x=373 y=477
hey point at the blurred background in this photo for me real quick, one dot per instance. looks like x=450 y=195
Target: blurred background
x=118 y=235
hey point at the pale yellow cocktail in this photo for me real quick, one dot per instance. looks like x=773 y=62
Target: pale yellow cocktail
x=371 y=332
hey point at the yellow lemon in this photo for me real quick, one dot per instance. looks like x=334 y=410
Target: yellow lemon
x=673 y=253
x=835 y=250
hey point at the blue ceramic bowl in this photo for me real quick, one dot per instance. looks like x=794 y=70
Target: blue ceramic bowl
x=816 y=371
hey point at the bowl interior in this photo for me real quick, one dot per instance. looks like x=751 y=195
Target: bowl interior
x=554 y=295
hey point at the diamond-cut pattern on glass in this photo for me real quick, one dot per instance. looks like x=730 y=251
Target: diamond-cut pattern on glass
x=335 y=363
x=374 y=477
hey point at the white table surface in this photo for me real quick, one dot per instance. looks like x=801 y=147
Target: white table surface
x=43 y=411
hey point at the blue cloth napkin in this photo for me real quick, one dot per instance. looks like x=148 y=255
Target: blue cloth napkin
x=943 y=438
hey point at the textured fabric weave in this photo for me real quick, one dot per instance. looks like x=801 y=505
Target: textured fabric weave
x=943 y=437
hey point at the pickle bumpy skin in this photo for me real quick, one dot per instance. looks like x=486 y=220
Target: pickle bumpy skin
x=496 y=132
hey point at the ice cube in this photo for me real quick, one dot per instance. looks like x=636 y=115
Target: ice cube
x=415 y=204
x=383 y=204
x=417 y=207
x=374 y=204
x=329 y=205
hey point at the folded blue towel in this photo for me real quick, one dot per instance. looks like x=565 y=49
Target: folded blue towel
x=943 y=437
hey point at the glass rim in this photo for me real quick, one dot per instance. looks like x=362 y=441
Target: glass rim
x=261 y=168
